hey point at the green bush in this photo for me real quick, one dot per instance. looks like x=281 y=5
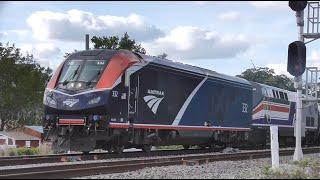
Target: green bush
x=2 y=153
x=12 y=152
x=303 y=163
x=266 y=170
x=27 y=151
x=22 y=151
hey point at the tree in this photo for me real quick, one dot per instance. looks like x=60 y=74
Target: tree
x=162 y=56
x=22 y=83
x=67 y=54
x=267 y=76
x=113 y=42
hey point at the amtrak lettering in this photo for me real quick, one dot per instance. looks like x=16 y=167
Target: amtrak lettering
x=156 y=92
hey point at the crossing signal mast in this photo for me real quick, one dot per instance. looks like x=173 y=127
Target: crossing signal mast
x=296 y=67
x=297 y=61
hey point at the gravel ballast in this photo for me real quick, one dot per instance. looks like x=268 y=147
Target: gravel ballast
x=220 y=169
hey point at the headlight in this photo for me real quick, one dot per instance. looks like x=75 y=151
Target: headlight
x=96 y=117
x=79 y=85
x=94 y=100
x=71 y=85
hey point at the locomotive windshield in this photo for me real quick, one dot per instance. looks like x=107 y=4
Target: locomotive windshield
x=79 y=74
x=91 y=71
x=70 y=71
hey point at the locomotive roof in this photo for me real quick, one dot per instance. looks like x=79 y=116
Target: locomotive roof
x=104 y=53
x=196 y=69
x=272 y=87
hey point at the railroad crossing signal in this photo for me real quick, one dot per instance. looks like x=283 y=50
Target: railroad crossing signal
x=296 y=58
x=298 y=5
x=296 y=66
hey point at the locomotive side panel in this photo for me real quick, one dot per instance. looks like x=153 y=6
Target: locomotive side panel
x=162 y=93
x=222 y=104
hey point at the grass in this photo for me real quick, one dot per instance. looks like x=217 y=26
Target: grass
x=303 y=169
x=172 y=147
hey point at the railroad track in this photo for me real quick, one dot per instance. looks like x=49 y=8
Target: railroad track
x=88 y=169
x=24 y=160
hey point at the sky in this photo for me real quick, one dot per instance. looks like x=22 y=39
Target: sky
x=227 y=37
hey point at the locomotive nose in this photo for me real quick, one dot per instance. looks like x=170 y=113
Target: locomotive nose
x=89 y=100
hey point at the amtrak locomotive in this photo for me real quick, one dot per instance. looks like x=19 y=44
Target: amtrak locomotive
x=116 y=99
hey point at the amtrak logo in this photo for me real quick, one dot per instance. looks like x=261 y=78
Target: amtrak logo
x=70 y=102
x=152 y=101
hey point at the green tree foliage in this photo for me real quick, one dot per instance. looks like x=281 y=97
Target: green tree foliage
x=67 y=54
x=22 y=83
x=114 y=42
x=163 y=55
x=267 y=76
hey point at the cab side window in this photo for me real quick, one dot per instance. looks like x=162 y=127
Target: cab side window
x=281 y=95
x=286 y=96
x=274 y=94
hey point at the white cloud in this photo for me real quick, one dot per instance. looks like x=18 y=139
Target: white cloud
x=315 y=59
x=312 y=61
x=186 y=42
x=15 y=33
x=229 y=16
x=19 y=32
x=270 y=4
x=3 y=34
x=44 y=53
x=279 y=69
x=73 y=25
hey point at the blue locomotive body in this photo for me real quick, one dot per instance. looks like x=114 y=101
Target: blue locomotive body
x=140 y=101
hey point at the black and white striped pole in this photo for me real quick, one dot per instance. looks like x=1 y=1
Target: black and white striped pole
x=296 y=67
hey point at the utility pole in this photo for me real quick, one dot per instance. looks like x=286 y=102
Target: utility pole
x=87 y=41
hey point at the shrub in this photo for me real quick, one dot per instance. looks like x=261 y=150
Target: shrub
x=266 y=170
x=2 y=153
x=27 y=151
x=303 y=163
x=12 y=152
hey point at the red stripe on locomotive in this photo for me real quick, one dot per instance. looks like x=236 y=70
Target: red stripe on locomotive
x=117 y=65
x=53 y=81
x=272 y=108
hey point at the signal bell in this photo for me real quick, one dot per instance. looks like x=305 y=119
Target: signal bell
x=296 y=58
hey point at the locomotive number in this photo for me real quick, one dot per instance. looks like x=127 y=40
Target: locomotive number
x=244 y=108
x=115 y=93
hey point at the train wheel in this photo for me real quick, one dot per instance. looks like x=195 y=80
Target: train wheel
x=108 y=148
x=85 y=152
x=186 y=147
x=203 y=147
x=146 y=148
x=119 y=149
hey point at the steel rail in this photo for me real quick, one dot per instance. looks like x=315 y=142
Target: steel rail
x=24 y=160
x=88 y=169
